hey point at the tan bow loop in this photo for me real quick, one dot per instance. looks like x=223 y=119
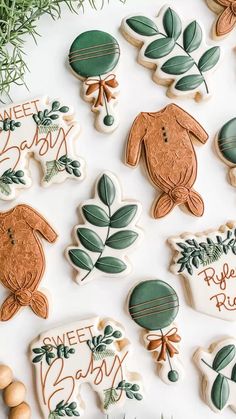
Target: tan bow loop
x=164 y=342
x=104 y=88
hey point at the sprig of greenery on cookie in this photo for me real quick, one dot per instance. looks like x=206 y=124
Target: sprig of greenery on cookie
x=47 y=116
x=112 y=394
x=51 y=352
x=64 y=409
x=98 y=344
x=169 y=41
x=10 y=177
x=64 y=163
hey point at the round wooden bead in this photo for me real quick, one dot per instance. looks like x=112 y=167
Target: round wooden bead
x=22 y=411
x=14 y=394
x=6 y=376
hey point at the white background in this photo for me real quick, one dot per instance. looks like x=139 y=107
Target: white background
x=50 y=74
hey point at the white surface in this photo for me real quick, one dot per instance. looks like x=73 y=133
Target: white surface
x=50 y=74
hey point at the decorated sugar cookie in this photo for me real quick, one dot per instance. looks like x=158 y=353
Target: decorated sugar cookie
x=207 y=261
x=226 y=147
x=22 y=260
x=154 y=305
x=218 y=366
x=226 y=21
x=93 y=57
x=45 y=129
x=177 y=52
x=108 y=233
x=89 y=351
x=166 y=138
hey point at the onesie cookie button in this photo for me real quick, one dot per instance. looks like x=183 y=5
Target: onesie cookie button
x=22 y=411
x=6 y=376
x=14 y=394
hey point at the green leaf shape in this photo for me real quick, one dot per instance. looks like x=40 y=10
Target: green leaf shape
x=123 y=216
x=52 y=169
x=178 y=65
x=224 y=357
x=81 y=259
x=106 y=190
x=192 y=37
x=159 y=48
x=209 y=59
x=122 y=239
x=96 y=215
x=220 y=392
x=142 y=25
x=233 y=374
x=5 y=189
x=110 y=265
x=90 y=240
x=172 y=24
x=188 y=83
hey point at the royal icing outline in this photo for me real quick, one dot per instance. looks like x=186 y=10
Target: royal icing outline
x=41 y=128
x=206 y=261
x=164 y=135
x=108 y=232
x=226 y=147
x=226 y=20
x=160 y=336
x=101 y=89
x=164 y=37
x=92 y=351
x=218 y=366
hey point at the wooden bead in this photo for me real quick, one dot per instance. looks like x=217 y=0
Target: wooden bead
x=6 y=376
x=22 y=411
x=14 y=394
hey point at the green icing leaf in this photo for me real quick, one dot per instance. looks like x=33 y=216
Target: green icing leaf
x=142 y=25
x=122 y=239
x=110 y=265
x=178 y=65
x=159 y=48
x=220 y=392
x=190 y=82
x=209 y=59
x=172 y=24
x=192 y=37
x=96 y=215
x=233 y=374
x=123 y=216
x=5 y=189
x=90 y=240
x=224 y=357
x=52 y=169
x=106 y=190
x=80 y=259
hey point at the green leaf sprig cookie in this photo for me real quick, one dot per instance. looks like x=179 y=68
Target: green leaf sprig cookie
x=177 y=52
x=108 y=233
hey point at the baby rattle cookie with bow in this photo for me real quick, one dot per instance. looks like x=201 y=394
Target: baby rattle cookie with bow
x=93 y=56
x=154 y=306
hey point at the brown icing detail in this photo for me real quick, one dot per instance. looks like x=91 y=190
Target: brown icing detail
x=169 y=155
x=103 y=87
x=227 y=19
x=22 y=261
x=164 y=342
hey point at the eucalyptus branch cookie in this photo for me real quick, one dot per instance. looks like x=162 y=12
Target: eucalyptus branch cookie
x=44 y=129
x=154 y=305
x=218 y=366
x=177 y=53
x=207 y=262
x=226 y=21
x=93 y=57
x=108 y=233
x=92 y=351
x=226 y=147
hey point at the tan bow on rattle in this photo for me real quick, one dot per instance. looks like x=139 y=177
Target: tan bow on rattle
x=164 y=341
x=104 y=88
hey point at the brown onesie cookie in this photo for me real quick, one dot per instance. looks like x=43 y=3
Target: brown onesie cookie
x=22 y=261
x=169 y=155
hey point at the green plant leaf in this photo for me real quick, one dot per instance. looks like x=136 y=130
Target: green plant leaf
x=90 y=240
x=80 y=259
x=123 y=216
x=106 y=190
x=110 y=265
x=224 y=357
x=172 y=24
x=96 y=215
x=188 y=83
x=192 y=37
x=209 y=59
x=159 y=48
x=220 y=392
x=142 y=25
x=178 y=65
x=122 y=239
